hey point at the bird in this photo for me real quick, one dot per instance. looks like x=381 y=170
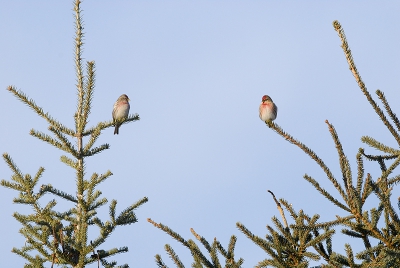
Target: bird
x=268 y=109
x=120 y=111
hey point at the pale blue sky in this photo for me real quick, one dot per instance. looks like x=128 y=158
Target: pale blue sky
x=195 y=72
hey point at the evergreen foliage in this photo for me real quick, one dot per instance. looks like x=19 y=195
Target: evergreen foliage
x=200 y=260
x=61 y=237
x=378 y=227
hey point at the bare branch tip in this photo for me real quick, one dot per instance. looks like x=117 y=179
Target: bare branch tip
x=336 y=25
x=195 y=234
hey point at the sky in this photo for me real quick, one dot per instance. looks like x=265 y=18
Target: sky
x=195 y=72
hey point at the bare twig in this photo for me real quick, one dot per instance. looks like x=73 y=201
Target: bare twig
x=280 y=209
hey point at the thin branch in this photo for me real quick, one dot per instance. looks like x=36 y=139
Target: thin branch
x=359 y=81
x=310 y=153
x=278 y=205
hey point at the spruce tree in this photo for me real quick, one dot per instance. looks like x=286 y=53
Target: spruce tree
x=295 y=244
x=61 y=237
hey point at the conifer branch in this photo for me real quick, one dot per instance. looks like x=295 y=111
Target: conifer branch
x=51 y=189
x=37 y=176
x=367 y=189
x=23 y=200
x=380 y=146
x=326 y=193
x=214 y=254
x=18 y=177
x=221 y=248
x=374 y=231
x=78 y=67
x=96 y=204
x=360 y=171
x=103 y=177
x=394 y=180
x=319 y=238
x=93 y=138
x=127 y=216
x=169 y=231
x=69 y=162
x=96 y=150
x=94 y=181
x=160 y=262
x=48 y=139
x=201 y=239
x=369 y=255
x=350 y=256
x=92 y=196
x=91 y=187
x=173 y=256
x=391 y=168
x=325 y=225
x=388 y=109
x=344 y=162
x=384 y=197
x=231 y=246
x=289 y=208
x=66 y=215
x=382 y=165
x=51 y=141
x=111 y=123
x=36 y=261
x=256 y=239
x=285 y=231
x=199 y=259
x=113 y=205
x=359 y=81
x=287 y=247
x=49 y=207
x=310 y=153
x=267 y=262
x=89 y=88
x=319 y=247
x=66 y=143
x=22 y=97
x=14 y=186
x=229 y=253
x=379 y=157
x=105 y=230
x=111 y=252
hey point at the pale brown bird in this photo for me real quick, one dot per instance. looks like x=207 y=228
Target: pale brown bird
x=268 y=110
x=120 y=111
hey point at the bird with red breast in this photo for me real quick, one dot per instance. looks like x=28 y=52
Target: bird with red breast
x=268 y=109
